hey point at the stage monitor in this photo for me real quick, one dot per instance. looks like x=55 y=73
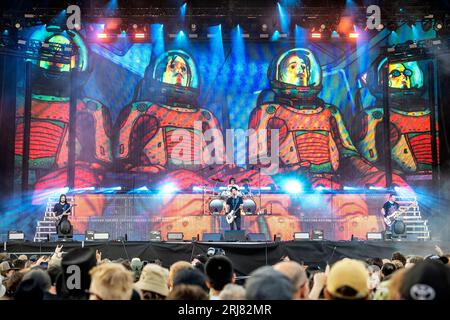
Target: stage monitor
x=234 y=235
x=317 y=235
x=14 y=235
x=374 y=236
x=101 y=236
x=299 y=236
x=256 y=237
x=211 y=237
x=175 y=236
x=155 y=236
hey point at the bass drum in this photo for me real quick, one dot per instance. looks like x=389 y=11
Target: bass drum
x=216 y=206
x=249 y=206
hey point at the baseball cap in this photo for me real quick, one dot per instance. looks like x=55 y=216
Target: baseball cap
x=426 y=280
x=153 y=278
x=348 y=273
x=23 y=257
x=6 y=266
x=265 y=283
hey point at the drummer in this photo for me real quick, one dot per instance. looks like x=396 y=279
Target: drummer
x=232 y=183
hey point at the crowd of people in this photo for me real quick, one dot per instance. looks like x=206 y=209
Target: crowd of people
x=82 y=273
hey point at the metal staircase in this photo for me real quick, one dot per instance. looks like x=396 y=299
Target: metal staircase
x=46 y=227
x=416 y=226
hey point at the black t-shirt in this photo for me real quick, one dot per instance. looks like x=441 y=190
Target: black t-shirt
x=390 y=207
x=60 y=208
x=235 y=203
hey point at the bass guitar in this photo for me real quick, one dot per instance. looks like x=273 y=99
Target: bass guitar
x=392 y=216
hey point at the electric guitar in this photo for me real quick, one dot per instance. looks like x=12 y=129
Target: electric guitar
x=391 y=217
x=65 y=213
x=230 y=217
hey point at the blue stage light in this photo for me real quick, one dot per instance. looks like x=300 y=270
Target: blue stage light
x=144 y=188
x=376 y=188
x=347 y=188
x=284 y=18
x=276 y=35
x=293 y=186
x=183 y=10
x=321 y=188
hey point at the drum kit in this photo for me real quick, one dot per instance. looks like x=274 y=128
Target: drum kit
x=217 y=200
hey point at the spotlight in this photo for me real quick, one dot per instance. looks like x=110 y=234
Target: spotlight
x=316 y=35
x=193 y=27
x=18 y=25
x=323 y=26
x=264 y=27
x=353 y=35
x=438 y=25
x=169 y=188
x=293 y=186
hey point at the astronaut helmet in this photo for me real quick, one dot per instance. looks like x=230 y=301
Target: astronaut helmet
x=175 y=75
x=406 y=79
x=296 y=73
x=51 y=77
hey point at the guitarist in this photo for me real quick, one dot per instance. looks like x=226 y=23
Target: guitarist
x=235 y=203
x=390 y=207
x=62 y=209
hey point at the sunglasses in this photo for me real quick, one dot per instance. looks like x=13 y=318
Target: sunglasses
x=397 y=73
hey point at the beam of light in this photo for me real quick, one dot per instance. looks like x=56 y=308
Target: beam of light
x=321 y=188
x=111 y=7
x=216 y=43
x=393 y=38
x=58 y=21
x=84 y=189
x=181 y=40
x=183 y=11
x=284 y=18
x=293 y=186
x=276 y=35
x=238 y=46
x=376 y=188
x=335 y=34
x=157 y=31
x=102 y=35
x=144 y=188
x=301 y=36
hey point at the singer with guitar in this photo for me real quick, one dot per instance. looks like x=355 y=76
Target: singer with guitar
x=62 y=210
x=235 y=204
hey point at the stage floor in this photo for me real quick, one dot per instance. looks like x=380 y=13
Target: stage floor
x=246 y=256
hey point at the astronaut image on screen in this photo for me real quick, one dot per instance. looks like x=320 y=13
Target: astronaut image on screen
x=410 y=128
x=314 y=140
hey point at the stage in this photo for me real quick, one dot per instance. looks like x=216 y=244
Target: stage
x=246 y=256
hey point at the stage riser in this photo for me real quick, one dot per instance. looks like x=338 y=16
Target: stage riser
x=340 y=216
